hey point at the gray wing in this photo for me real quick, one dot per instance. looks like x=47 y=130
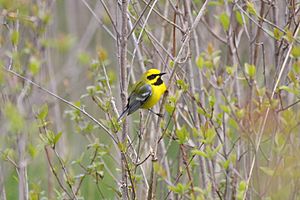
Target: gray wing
x=138 y=97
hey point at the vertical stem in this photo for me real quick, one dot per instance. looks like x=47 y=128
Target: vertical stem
x=50 y=180
x=123 y=85
x=188 y=171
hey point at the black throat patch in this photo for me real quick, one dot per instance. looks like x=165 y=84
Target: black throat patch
x=159 y=81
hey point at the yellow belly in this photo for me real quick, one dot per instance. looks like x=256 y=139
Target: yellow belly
x=157 y=92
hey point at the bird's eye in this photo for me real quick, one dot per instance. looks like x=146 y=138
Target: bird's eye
x=151 y=77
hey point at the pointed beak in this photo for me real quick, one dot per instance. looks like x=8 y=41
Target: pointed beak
x=162 y=73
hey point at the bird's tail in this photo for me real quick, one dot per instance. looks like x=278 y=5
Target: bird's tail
x=123 y=114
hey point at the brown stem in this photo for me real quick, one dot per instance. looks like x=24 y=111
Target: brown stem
x=185 y=162
x=123 y=86
x=54 y=171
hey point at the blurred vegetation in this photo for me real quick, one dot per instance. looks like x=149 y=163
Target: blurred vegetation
x=230 y=125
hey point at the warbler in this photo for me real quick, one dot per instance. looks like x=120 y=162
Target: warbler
x=146 y=92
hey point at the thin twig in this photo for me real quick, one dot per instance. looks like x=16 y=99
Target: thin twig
x=61 y=162
x=289 y=106
x=55 y=173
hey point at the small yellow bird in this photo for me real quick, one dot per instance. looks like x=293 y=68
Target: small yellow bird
x=146 y=93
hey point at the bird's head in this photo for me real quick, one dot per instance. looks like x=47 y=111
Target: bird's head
x=153 y=75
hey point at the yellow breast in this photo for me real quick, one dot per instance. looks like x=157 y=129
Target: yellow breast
x=157 y=92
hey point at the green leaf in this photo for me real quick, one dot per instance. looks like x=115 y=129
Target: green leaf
x=171 y=63
x=34 y=65
x=179 y=188
x=209 y=64
x=241 y=190
x=91 y=90
x=225 y=108
x=242 y=186
x=226 y=164
x=33 y=151
x=182 y=135
x=210 y=135
x=15 y=37
x=43 y=112
x=229 y=70
x=199 y=153
x=250 y=70
x=232 y=123
x=239 y=17
x=225 y=21
x=251 y=8
x=77 y=103
x=57 y=137
x=200 y=111
x=182 y=84
x=277 y=33
x=170 y=105
x=212 y=100
x=296 y=52
x=200 y=62
x=50 y=135
x=169 y=108
x=296 y=67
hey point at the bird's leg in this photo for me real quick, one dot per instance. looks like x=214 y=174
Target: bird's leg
x=158 y=114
